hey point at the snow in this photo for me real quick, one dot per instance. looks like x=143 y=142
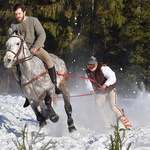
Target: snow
x=90 y=134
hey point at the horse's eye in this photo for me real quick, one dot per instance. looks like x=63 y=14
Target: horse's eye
x=17 y=43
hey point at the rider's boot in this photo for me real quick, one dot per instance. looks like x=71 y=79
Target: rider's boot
x=52 y=74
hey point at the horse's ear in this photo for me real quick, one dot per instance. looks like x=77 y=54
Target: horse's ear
x=18 y=32
x=10 y=31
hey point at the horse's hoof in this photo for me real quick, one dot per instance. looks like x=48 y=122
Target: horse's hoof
x=54 y=118
x=72 y=129
x=42 y=124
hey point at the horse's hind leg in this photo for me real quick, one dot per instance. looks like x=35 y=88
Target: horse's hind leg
x=70 y=122
x=67 y=105
x=52 y=115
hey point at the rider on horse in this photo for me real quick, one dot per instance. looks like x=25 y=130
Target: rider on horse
x=34 y=35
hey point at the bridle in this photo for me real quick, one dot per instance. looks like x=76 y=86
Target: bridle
x=19 y=51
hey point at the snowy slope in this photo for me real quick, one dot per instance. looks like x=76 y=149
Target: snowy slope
x=90 y=134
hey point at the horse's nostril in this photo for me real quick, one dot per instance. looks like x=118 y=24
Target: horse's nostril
x=8 y=60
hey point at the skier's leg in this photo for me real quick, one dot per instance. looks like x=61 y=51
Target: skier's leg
x=100 y=100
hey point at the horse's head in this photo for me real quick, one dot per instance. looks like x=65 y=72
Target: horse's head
x=15 y=50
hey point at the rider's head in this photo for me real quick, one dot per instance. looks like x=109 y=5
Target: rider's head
x=20 y=11
x=92 y=63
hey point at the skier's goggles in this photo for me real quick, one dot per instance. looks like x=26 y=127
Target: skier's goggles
x=91 y=66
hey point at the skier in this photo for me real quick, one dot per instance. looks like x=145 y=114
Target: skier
x=105 y=88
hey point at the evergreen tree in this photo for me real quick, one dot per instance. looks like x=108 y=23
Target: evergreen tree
x=134 y=39
x=115 y=31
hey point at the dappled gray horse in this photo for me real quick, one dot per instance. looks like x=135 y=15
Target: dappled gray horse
x=35 y=81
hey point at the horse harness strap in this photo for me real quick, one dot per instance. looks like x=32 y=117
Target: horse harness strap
x=34 y=79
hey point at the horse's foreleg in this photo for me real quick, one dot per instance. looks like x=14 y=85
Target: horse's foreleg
x=52 y=115
x=67 y=105
x=40 y=118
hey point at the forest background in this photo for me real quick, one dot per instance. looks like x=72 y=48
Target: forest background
x=116 y=32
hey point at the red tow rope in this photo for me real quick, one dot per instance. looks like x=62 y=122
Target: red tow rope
x=81 y=77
